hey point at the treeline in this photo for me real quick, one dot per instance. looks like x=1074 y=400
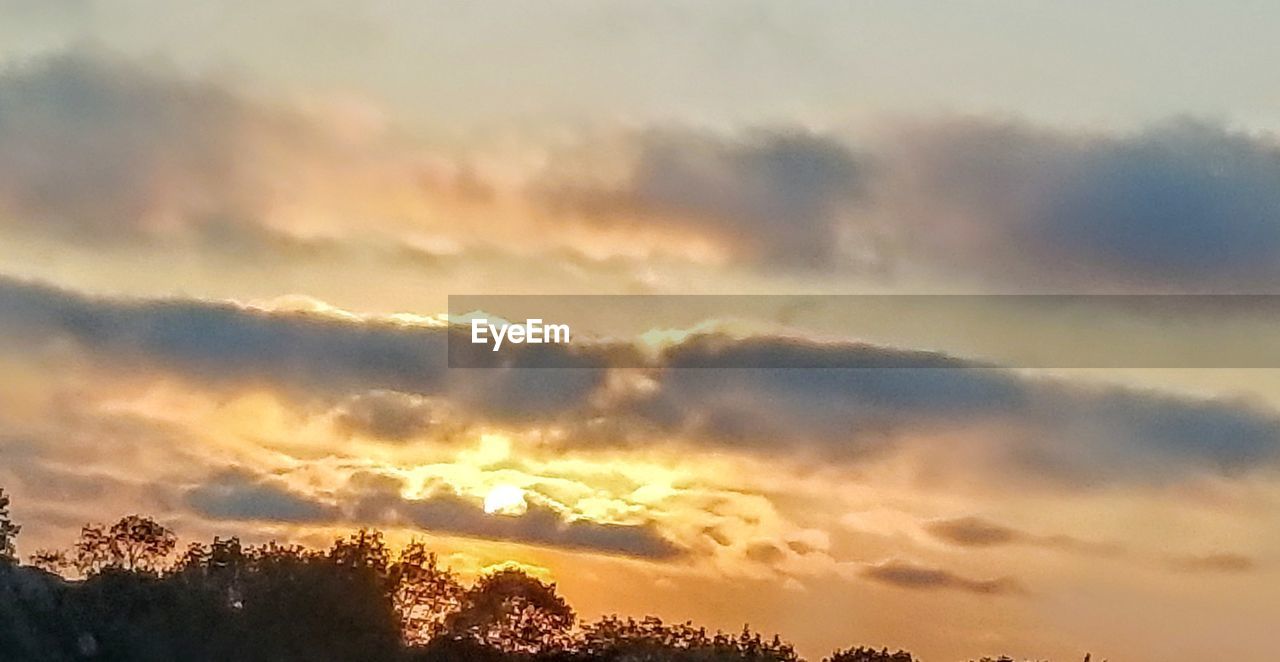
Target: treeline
x=135 y=596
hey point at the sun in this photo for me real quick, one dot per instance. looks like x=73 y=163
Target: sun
x=505 y=500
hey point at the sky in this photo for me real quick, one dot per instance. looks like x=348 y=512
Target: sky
x=228 y=235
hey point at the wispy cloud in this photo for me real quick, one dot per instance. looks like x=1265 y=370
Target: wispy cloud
x=1222 y=562
x=903 y=574
x=979 y=532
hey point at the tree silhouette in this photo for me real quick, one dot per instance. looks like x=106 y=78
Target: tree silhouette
x=218 y=568
x=297 y=604
x=513 y=612
x=8 y=531
x=362 y=550
x=135 y=544
x=861 y=654
x=424 y=594
x=49 y=560
x=354 y=601
x=141 y=543
x=651 y=640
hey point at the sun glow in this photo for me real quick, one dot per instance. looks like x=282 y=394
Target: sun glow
x=505 y=500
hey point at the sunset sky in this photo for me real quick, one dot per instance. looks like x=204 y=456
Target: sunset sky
x=228 y=234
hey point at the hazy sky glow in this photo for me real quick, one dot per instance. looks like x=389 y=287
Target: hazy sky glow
x=227 y=236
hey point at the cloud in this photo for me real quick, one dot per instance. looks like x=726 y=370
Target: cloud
x=1037 y=428
x=240 y=496
x=764 y=552
x=97 y=148
x=119 y=154
x=1225 y=563
x=539 y=525
x=907 y=575
x=220 y=342
x=100 y=150
x=377 y=498
x=372 y=499
x=1183 y=205
x=975 y=532
x=978 y=532
x=776 y=197
x=387 y=415
x=301 y=353
x=1072 y=433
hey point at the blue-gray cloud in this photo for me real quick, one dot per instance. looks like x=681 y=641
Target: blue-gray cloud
x=93 y=147
x=1074 y=433
x=388 y=415
x=301 y=353
x=103 y=149
x=778 y=197
x=109 y=151
x=1184 y=205
x=1038 y=427
x=237 y=495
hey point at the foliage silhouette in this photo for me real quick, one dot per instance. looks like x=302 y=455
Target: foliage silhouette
x=134 y=599
x=8 y=531
x=861 y=654
x=651 y=640
x=424 y=594
x=513 y=612
x=134 y=543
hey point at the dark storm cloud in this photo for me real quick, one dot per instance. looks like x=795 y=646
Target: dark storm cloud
x=777 y=197
x=906 y=575
x=1183 y=205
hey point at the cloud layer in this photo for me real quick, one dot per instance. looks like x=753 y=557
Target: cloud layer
x=1185 y=205
x=94 y=147
x=372 y=499
x=775 y=197
x=1050 y=429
